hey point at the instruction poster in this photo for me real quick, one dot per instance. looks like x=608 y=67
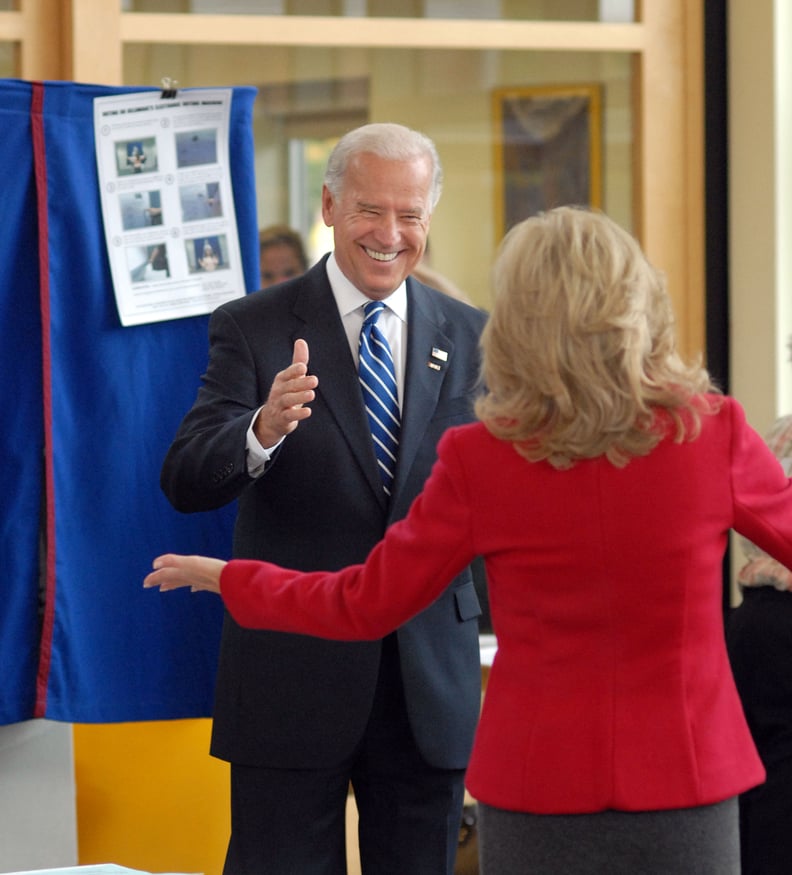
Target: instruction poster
x=167 y=203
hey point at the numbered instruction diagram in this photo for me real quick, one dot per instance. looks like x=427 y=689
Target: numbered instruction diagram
x=167 y=203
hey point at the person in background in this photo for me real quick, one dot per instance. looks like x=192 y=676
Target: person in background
x=300 y=718
x=600 y=486
x=281 y=255
x=759 y=640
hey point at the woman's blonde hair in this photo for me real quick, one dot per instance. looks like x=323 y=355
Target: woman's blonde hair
x=579 y=353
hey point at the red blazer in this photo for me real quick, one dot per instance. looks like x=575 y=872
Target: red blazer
x=611 y=686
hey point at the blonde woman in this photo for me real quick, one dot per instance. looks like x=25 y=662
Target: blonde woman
x=600 y=486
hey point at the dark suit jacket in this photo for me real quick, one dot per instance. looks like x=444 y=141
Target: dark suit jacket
x=295 y=701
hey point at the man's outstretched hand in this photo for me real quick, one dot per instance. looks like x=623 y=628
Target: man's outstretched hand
x=291 y=390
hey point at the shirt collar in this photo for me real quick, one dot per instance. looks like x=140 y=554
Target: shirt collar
x=349 y=298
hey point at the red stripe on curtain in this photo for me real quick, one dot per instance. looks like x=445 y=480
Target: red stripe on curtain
x=40 y=167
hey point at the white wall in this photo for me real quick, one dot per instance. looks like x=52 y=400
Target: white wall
x=760 y=206
x=38 y=822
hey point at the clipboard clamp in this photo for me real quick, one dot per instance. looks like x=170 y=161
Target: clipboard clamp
x=169 y=89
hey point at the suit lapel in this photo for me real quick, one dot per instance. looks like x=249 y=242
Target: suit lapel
x=319 y=323
x=429 y=355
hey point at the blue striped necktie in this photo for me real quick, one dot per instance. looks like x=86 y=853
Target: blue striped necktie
x=380 y=394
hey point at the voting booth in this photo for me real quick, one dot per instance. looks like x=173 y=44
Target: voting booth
x=93 y=403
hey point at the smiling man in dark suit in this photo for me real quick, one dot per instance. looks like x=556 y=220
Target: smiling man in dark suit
x=280 y=425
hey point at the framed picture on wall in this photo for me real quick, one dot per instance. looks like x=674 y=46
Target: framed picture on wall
x=547 y=150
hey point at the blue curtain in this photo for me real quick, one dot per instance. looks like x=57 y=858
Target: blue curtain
x=21 y=443
x=87 y=436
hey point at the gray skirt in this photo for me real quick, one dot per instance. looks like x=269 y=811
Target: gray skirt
x=684 y=841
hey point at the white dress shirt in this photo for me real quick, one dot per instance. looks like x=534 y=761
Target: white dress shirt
x=350 y=301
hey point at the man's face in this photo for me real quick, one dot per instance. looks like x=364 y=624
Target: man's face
x=380 y=221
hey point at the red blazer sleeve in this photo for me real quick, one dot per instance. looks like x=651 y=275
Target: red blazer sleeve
x=402 y=575
x=761 y=491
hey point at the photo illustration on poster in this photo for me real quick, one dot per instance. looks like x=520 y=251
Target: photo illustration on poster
x=167 y=203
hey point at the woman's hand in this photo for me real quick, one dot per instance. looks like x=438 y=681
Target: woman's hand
x=172 y=571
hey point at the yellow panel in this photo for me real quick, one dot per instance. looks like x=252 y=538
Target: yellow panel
x=150 y=797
